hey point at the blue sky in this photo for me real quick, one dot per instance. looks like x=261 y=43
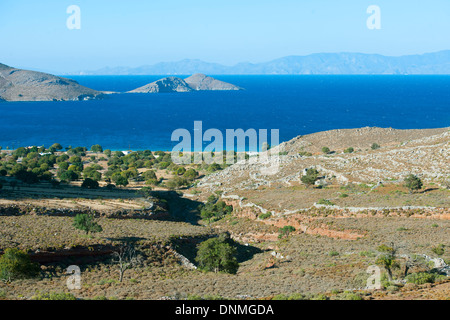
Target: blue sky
x=138 y=32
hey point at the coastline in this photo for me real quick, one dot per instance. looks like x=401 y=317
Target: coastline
x=341 y=132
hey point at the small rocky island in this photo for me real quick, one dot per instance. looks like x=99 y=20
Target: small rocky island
x=25 y=85
x=196 y=82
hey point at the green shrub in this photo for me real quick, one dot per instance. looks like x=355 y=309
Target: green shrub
x=319 y=297
x=305 y=154
x=54 y=296
x=349 y=150
x=214 y=167
x=375 y=146
x=190 y=174
x=349 y=296
x=16 y=264
x=285 y=231
x=420 y=278
x=280 y=297
x=214 y=210
x=296 y=296
x=86 y=223
x=439 y=249
x=369 y=254
x=413 y=183
x=177 y=182
x=119 y=179
x=333 y=253
x=265 y=216
x=325 y=202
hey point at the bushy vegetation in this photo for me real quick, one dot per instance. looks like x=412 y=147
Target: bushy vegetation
x=349 y=150
x=86 y=223
x=439 y=249
x=32 y=165
x=217 y=255
x=89 y=184
x=325 y=202
x=413 y=183
x=375 y=146
x=214 y=209
x=16 y=264
x=333 y=253
x=387 y=259
x=285 y=231
x=421 y=278
x=54 y=296
x=264 y=216
x=177 y=182
x=305 y=154
x=311 y=176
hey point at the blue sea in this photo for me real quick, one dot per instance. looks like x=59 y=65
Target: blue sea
x=296 y=105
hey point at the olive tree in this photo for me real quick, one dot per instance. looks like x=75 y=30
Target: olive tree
x=311 y=176
x=217 y=254
x=413 y=183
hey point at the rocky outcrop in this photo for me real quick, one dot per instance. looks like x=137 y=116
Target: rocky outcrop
x=200 y=82
x=196 y=82
x=24 y=85
x=165 y=85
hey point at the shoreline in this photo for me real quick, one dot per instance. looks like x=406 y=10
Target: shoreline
x=324 y=132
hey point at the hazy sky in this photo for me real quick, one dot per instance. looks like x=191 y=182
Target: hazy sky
x=137 y=32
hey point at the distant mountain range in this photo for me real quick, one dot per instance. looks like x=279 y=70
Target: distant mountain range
x=320 y=63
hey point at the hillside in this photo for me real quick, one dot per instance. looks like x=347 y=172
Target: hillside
x=339 y=226
x=421 y=152
x=25 y=85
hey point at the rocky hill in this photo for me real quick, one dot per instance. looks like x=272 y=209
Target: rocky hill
x=25 y=85
x=196 y=82
x=169 y=84
x=401 y=152
x=202 y=82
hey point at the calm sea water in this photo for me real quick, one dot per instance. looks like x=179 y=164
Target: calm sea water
x=295 y=105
